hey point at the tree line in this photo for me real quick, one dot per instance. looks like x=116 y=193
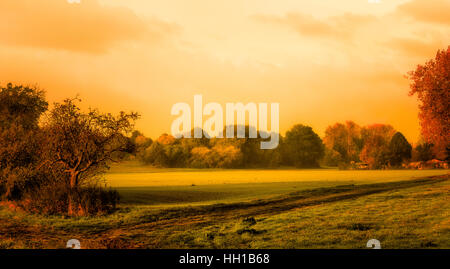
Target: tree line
x=166 y=151
x=345 y=145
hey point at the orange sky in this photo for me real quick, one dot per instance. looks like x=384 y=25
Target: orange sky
x=324 y=61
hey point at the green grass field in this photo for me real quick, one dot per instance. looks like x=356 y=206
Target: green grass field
x=284 y=208
x=140 y=185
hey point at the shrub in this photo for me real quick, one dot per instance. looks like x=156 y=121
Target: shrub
x=54 y=200
x=96 y=200
x=47 y=200
x=15 y=181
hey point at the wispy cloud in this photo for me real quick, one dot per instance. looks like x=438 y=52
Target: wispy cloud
x=85 y=27
x=430 y=11
x=414 y=47
x=340 y=27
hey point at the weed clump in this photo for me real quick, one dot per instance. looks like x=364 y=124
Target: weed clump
x=249 y=221
x=245 y=227
x=360 y=227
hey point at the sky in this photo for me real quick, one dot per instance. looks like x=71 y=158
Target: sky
x=324 y=61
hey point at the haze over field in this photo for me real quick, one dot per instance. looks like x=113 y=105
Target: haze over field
x=149 y=55
x=132 y=176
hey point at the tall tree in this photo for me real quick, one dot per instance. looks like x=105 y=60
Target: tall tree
x=376 y=139
x=20 y=110
x=303 y=147
x=431 y=83
x=399 y=149
x=423 y=152
x=344 y=141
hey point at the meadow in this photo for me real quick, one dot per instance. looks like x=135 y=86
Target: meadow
x=144 y=185
x=282 y=208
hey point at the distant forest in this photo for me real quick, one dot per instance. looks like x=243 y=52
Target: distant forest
x=346 y=145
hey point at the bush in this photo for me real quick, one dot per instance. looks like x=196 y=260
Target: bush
x=47 y=200
x=15 y=181
x=96 y=201
x=54 y=200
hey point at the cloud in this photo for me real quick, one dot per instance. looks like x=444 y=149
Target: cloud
x=431 y=11
x=326 y=80
x=340 y=27
x=85 y=27
x=415 y=47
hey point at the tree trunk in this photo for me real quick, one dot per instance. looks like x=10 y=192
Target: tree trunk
x=72 y=207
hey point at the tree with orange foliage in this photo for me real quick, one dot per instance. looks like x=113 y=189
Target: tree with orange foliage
x=377 y=138
x=344 y=140
x=166 y=139
x=431 y=83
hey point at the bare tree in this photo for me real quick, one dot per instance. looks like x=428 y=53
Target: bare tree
x=82 y=144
